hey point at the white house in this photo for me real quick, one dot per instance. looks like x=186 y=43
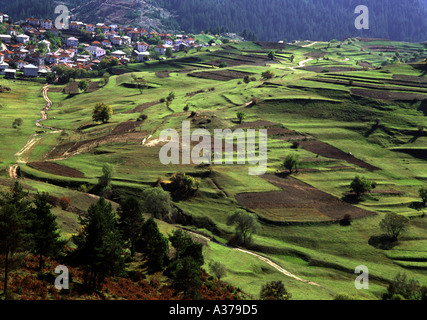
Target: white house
x=142 y=46
x=11 y=32
x=161 y=49
x=118 y=54
x=5 y=38
x=72 y=42
x=10 y=74
x=90 y=28
x=31 y=71
x=117 y=41
x=3 y=67
x=46 y=24
x=126 y=40
x=97 y=51
x=52 y=58
x=1 y=17
x=143 y=56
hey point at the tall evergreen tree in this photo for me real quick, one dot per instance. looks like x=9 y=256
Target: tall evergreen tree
x=14 y=224
x=153 y=245
x=131 y=221
x=99 y=245
x=44 y=229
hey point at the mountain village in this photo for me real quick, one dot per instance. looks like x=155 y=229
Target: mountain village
x=32 y=48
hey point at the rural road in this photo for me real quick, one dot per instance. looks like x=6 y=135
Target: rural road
x=262 y=258
x=311 y=44
x=301 y=64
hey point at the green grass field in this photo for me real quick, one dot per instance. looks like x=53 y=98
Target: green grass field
x=336 y=101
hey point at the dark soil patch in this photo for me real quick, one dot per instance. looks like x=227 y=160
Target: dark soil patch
x=221 y=75
x=328 y=151
x=388 y=95
x=330 y=69
x=125 y=127
x=93 y=86
x=142 y=107
x=270 y=45
x=56 y=169
x=296 y=194
x=71 y=88
x=256 y=124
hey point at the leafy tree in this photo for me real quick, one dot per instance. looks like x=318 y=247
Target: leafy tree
x=223 y=64
x=274 y=290
x=139 y=82
x=402 y=288
x=169 y=52
x=83 y=85
x=171 y=96
x=394 y=224
x=246 y=224
x=423 y=195
x=99 y=245
x=183 y=186
x=186 y=247
x=218 y=269
x=268 y=74
x=17 y=123
x=131 y=221
x=153 y=245
x=272 y=55
x=360 y=185
x=107 y=175
x=102 y=112
x=158 y=202
x=240 y=116
x=291 y=162
x=14 y=225
x=44 y=229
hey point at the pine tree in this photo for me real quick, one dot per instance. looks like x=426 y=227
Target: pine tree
x=131 y=221
x=14 y=224
x=46 y=237
x=153 y=245
x=99 y=245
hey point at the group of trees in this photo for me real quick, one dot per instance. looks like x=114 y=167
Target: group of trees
x=26 y=226
x=322 y=20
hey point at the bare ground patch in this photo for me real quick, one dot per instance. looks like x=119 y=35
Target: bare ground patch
x=56 y=169
x=328 y=151
x=297 y=202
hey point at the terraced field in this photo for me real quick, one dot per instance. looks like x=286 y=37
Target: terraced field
x=354 y=108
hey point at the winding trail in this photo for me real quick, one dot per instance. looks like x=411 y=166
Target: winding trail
x=262 y=258
x=34 y=138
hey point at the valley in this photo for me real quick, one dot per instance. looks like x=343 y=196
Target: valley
x=347 y=108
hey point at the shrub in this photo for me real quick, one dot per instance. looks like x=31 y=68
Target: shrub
x=64 y=203
x=346 y=220
x=295 y=145
x=142 y=117
x=274 y=290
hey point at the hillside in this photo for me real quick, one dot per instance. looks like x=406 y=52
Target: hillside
x=280 y=19
x=346 y=108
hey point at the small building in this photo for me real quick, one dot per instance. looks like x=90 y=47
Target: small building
x=5 y=38
x=161 y=49
x=118 y=54
x=3 y=67
x=10 y=74
x=143 y=56
x=31 y=71
x=46 y=24
x=97 y=51
x=72 y=42
x=22 y=38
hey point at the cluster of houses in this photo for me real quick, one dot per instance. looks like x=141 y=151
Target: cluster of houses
x=18 y=52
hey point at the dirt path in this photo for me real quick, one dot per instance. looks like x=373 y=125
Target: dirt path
x=311 y=44
x=262 y=258
x=34 y=138
x=301 y=64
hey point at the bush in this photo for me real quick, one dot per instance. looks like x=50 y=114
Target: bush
x=64 y=203
x=142 y=117
x=274 y=290
x=346 y=220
